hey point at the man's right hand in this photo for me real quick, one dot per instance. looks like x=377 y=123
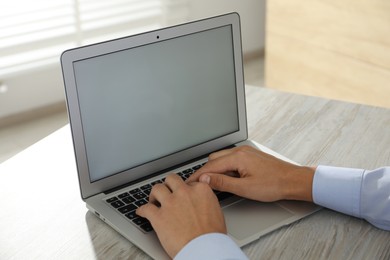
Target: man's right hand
x=261 y=176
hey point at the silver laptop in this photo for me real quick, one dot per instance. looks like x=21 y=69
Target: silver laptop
x=147 y=105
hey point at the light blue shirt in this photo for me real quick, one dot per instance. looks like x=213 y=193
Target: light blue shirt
x=357 y=192
x=211 y=246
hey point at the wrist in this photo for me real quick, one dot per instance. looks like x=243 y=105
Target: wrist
x=299 y=183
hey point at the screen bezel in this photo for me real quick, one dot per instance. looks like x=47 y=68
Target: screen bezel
x=89 y=188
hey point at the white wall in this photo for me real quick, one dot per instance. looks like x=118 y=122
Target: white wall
x=252 y=13
x=44 y=87
x=34 y=89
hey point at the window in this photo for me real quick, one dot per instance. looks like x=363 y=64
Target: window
x=34 y=33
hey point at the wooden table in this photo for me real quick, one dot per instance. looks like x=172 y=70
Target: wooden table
x=42 y=215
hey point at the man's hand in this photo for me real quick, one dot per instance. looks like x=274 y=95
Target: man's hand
x=262 y=177
x=180 y=212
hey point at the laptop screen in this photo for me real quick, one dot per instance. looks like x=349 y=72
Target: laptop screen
x=144 y=103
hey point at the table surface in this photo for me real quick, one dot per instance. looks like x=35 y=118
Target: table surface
x=42 y=215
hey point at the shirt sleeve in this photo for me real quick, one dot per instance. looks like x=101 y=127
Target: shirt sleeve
x=357 y=192
x=211 y=246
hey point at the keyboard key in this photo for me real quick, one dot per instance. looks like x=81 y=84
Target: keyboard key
x=139 y=221
x=147 y=192
x=117 y=204
x=197 y=167
x=155 y=182
x=147 y=227
x=145 y=187
x=187 y=171
x=182 y=176
x=131 y=215
x=139 y=195
x=140 y=202
x=110 y=200
x=127 y=208
x=128 y=200
x=123 y=195
x=134 y=191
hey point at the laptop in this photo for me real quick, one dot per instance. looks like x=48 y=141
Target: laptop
x=144 y=106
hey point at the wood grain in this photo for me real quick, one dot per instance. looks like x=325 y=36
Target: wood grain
x=330 y=48
x=40 y=219
x=314 y=131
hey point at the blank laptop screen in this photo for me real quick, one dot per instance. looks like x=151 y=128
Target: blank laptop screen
x=141 y=104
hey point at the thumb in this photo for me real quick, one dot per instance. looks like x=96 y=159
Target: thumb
x=221 y=182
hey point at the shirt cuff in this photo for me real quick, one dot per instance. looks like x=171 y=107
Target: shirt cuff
x=211 y=246
x=338 y=189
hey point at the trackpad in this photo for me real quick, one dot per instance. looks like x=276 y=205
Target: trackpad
x=247 y=218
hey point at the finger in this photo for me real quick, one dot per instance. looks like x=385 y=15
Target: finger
x=148 y=211
x=159 y=193
x=230 y=161
x=223 y=183
x=225 y=161
x=223 y=164
x=173 y=181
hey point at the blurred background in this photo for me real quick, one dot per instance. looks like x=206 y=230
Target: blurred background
x=33 y=34
x=328 y=48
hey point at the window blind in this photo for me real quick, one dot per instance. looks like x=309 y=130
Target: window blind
x=34 y=33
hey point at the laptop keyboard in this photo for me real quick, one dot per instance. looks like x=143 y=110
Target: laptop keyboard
x=127 y=202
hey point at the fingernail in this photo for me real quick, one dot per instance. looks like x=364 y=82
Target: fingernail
x=205 y=178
